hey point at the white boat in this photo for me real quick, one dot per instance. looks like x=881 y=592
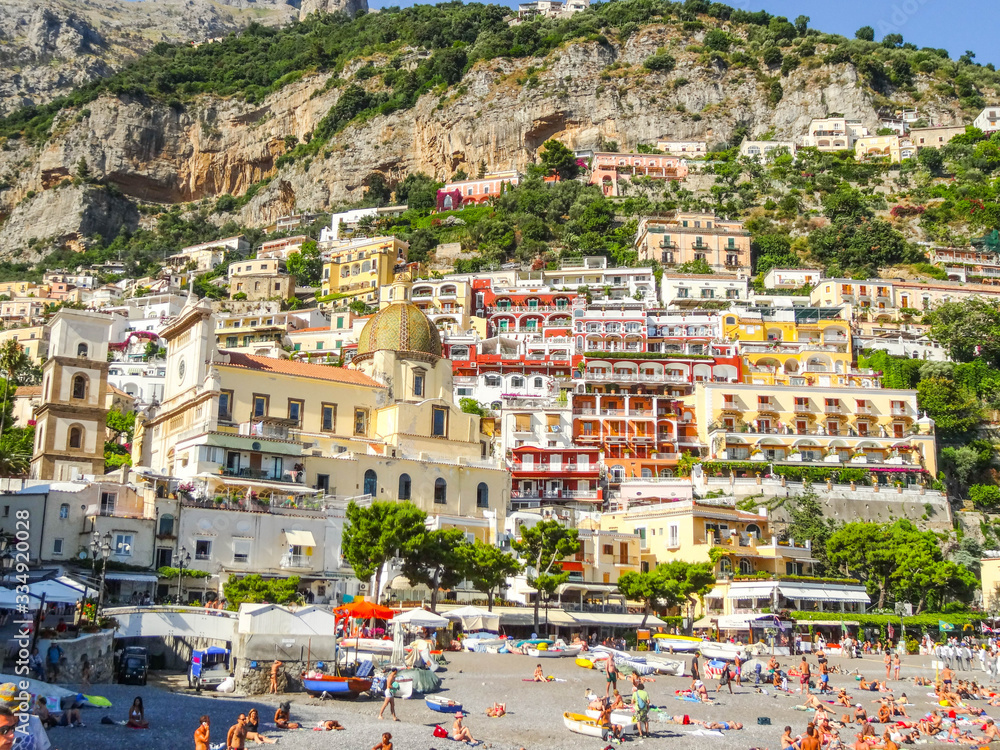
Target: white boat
x=723 y=650
x=622 y=716
x=367 y=645
x=582 y=724
x=662 y=665
x=481 y=645
x=554 y=652
x=677 y=643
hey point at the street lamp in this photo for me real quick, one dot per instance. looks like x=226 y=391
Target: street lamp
x=182 y=559
x=100 y=548
x=6 y=555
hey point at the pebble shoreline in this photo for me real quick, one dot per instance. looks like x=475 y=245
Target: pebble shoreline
x=534 y=718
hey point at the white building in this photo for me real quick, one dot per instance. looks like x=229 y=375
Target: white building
x=208 y=255
x=834 y=134
x=988 y=120
x=342 y=225
x=693 y=289
x=766 y=150
x=694 y=149
x=792 y=278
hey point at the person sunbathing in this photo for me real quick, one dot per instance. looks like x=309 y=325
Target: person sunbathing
x=860 y=715
x=990 y=732
x=884 y=713
x=616 y=701
x=922 y=682
x=718 y=725
x=497 y=710
x=330 y=725
x=539 y=675
x=843 y=699
x=813 y=702
x=701 y=691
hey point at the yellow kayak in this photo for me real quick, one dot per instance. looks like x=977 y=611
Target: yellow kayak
x=585 y=663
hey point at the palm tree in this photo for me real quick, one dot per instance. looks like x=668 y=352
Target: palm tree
x=10 y=358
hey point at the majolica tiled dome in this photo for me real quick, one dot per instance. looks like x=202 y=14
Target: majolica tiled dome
x=401 y=327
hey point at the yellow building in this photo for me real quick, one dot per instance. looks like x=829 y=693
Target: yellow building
x=359 y=268
x=894 y=146
x=790 y=341
x=989 y=572
x=827 y=426
x=18 y=288
x=686 y=237
x=447 y=302
x=34 y=341
x=295 y=432
x=745 y=547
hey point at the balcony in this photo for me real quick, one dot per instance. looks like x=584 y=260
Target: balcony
x=803 y=408
x=864 y=410
x=622 y=561
x=633 y=377
x=833 y=409
x=899 y=411
x=767 y=407
x=295 y=561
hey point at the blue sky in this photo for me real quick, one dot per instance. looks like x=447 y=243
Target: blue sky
x=955 y=25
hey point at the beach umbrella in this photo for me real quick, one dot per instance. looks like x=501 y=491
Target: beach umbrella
x=361 y=610
x=398 y=649
x=421 y=618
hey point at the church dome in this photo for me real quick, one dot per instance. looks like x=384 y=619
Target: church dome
x=401 y=327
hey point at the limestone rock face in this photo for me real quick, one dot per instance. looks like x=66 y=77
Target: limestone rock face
x=153 y=153
x=49 y=47
x=350 y=7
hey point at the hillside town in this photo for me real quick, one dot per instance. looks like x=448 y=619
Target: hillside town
x=414 y=372
x=658 y=411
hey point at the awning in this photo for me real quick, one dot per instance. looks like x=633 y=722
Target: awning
x=576 y=567
x=112 y=575
x=743 y=622
x=300 y=538
x=614 y=619
x=825 y=593
x=750 y=592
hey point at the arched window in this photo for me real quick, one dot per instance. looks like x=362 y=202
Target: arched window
x=64 y=510
x=404 y=487
x=366 y=266
x=440 y=491
x=79 y=386
x=81 y=350
x=492 y=381
x=746 y=567
x=371 y=482
x=166 y=525
x=75 y=436
x=725 y=566
x=482 y=496
x=517 y=382
x=538 y=382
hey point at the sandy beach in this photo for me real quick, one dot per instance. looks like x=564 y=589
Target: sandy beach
x=534 y=718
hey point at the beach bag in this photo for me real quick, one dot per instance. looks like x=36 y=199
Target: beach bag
x=764 y=721
x=440 y=731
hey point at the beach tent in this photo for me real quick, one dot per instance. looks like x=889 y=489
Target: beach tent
x=421 y=618
x=473 y=618
x=364 y=611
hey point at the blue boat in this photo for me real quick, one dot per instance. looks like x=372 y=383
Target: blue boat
x=442 y=705
x=336 y=685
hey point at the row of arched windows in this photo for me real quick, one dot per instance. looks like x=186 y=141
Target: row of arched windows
x=405 y=489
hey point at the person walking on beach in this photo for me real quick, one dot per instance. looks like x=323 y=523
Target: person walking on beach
x=804 y=676
x=390 y=700
x=201 y=734
x=275 y=668
x=896 y=664
x=695 y=670
x=236 y=739
x=612 y=677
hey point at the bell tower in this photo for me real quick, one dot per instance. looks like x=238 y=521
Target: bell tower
x=71 y=423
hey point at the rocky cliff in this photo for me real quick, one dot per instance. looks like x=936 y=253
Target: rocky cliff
x=499 y=115
x=47 y=48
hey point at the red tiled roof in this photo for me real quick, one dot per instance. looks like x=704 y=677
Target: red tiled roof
x=306 y=330
x=29 y=390
x=297 y=369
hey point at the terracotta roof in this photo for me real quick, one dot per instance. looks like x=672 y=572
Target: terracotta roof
x=297 y=369
x=117 y=390
x=28 y=390
x=307 y=330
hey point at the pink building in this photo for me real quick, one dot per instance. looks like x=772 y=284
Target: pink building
x=607 y=168
x=460 y=193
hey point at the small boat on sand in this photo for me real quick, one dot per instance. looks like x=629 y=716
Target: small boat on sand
x=621 y=716
x=442 y=705
x=582 y=724
x=345 y=686
x=553 y=652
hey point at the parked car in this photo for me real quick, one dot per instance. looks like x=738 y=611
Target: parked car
x=209 y=667
x=133 y=666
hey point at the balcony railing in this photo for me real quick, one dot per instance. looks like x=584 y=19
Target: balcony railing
x=289 y=477
x=295 y=561
x=633 y=377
